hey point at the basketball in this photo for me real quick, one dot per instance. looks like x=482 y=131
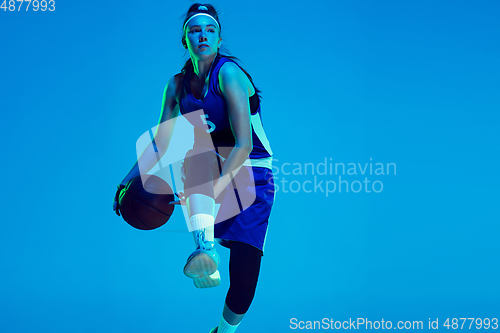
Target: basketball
x=144 y=203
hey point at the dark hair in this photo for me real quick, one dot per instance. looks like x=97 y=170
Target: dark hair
x=193 y=10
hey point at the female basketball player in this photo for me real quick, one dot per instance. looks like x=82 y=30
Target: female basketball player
x=216 y=84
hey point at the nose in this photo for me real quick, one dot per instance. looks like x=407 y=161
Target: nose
x=203 y=35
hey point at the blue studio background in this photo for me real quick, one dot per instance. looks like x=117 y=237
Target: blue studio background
x=412 y=83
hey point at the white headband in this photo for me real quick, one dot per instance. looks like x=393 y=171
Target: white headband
x=205 y=14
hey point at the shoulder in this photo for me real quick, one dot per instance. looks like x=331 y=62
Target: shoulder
x=230 y=70
x=231 y=76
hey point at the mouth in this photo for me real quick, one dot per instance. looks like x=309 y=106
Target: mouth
x=202 y=45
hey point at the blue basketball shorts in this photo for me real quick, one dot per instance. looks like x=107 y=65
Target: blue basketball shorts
x=245 y=205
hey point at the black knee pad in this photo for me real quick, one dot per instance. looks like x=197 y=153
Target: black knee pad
x=244 y=268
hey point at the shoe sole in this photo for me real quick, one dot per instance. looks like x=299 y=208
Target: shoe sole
x=200 y=266
x=208 y=281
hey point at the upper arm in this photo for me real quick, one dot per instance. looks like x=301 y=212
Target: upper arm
x=169 y=108
x=169 y=111
x=233 y=85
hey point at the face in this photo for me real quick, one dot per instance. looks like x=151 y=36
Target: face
x=202 y=30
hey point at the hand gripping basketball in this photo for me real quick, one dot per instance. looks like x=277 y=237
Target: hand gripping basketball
x=143 y=202
x=116 y=206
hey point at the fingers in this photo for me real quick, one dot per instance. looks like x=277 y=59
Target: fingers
x=115 y=208
x=117 y=196
x=178 y=202
x=181 y=201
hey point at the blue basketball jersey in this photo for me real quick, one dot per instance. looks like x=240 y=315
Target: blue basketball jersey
x=213 y=127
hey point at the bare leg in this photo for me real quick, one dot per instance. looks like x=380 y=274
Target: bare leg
x=201 y=167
